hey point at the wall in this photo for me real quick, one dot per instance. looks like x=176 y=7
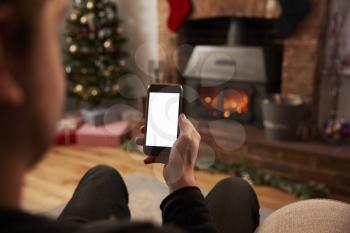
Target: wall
x=301 y=57
x=338 y=7
x=344 y=106
x=140 y=23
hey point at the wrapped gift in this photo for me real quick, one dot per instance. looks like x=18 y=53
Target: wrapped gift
x=110 y=135
x=67 y=137
x=101 y=116
x=67 y=128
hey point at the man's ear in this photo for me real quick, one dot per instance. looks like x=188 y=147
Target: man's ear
x=11 y=93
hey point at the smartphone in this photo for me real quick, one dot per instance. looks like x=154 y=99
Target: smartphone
x=164 y=105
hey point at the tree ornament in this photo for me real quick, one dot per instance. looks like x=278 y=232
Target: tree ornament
x=83 y=20
x=90 y=5
x=69 y=39
x=84 y=71
x=101 y=14
x=77 y=2
x=94 y=92
x=115 y=88
x=107 y=44
x=108 y=71
x=78 y=89
x=90 y=20
x=110 y=15
x=73 y=16
x=73 y=48
x=107 y=88
x=84 y=49
x=120 y=30
x=92 y=36
x=68 y=69
x=101 y=34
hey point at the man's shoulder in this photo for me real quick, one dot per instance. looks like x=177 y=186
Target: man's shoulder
x=125 y=227
x=16 y=221
x=19 y=222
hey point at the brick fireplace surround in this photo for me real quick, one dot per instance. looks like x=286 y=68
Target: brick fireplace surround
x=302 y=57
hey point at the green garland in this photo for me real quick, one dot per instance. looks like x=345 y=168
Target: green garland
x=259 y=177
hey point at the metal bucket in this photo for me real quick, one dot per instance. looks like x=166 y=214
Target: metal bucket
x=282 y=116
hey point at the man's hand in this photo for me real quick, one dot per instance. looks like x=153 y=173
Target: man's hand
x=179 y=165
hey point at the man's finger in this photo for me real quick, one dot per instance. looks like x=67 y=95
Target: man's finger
x=150 y=159
x=140 y=141
x=162 y=159
x=184 y=124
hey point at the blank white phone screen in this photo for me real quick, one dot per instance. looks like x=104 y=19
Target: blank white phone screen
x=163 y=116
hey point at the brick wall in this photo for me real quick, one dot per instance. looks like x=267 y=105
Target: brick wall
x=298 y=161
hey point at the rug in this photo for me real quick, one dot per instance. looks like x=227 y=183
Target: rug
x=145 y=195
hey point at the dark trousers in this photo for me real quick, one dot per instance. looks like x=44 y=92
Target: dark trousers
x=102 y=194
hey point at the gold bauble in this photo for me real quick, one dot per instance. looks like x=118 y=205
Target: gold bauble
x=73 y=48
x=83 y=20
x=69 y=39
x=94 y=92
x=90 y=5
x=107 y=73
x=115 y=88
x=73 y=16
x=110 y=68
x=120 y=30
x=78 y=88
x=107 y=44
x=68 y=69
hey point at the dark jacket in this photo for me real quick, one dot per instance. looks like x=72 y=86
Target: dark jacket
x=183 y=211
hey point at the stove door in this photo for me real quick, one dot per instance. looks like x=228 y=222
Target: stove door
x=227 y=101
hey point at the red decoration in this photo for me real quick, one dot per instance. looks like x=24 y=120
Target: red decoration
x=179 y=10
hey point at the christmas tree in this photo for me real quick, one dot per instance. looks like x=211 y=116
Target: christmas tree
x=93 y=55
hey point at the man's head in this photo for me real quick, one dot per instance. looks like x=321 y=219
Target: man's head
x=31 y=77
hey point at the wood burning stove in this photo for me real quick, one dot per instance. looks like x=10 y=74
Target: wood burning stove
x=231 y=81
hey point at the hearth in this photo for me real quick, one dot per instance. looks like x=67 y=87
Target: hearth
x=231 y=81
x=232 y=64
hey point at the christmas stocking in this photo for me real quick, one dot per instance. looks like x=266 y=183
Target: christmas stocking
x=293 y=11
x=179 y=10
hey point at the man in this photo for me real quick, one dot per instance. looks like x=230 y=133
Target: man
x=31 y=98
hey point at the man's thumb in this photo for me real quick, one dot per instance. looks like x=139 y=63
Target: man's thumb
x=183 y=123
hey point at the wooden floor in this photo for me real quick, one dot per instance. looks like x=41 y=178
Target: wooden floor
x=53 y=181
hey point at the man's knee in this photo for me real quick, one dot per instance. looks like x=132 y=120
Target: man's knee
x=103 y=171
x=234 y=184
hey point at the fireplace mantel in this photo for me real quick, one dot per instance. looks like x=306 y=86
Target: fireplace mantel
x=235 y=8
